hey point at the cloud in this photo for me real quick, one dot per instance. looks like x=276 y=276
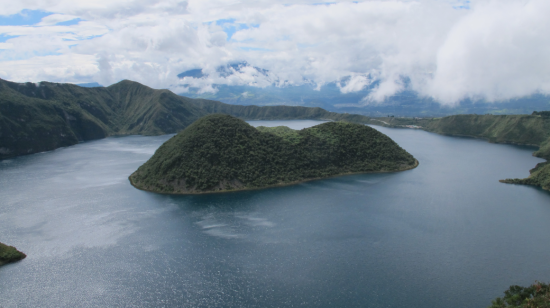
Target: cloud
x=498 y=51
x=60 y=68
x=448 y=50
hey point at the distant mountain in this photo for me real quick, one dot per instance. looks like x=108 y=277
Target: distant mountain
x=195 y=73
x=330 y=97
x=224 y=70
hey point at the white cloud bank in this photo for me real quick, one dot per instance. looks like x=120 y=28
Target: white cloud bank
x=490 y=49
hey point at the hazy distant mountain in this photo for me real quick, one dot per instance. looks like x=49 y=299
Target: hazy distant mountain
x=330 y=97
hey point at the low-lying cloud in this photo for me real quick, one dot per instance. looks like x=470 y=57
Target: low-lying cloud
x=447 y=50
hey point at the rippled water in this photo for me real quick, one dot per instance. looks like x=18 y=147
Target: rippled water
x=446 y=234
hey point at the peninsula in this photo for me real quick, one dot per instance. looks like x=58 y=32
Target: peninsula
x=9 y=254
x=220 y=153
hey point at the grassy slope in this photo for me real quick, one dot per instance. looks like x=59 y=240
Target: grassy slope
x=220 y=152
x=519 y=129
x=9 y=254
x=146 y=111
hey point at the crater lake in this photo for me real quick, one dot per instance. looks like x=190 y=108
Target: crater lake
x=445 y=234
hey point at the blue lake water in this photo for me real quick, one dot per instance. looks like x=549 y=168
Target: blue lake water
x=446 y=234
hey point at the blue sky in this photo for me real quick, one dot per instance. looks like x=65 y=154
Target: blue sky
x=23 y=18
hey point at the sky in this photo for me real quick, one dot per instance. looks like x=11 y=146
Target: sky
x=448 y=50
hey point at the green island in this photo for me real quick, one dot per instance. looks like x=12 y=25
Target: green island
x=9 y=254
x=220 y=153
x=536 y=295
x=531 y=130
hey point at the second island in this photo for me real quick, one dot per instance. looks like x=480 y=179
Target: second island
x=220 y=153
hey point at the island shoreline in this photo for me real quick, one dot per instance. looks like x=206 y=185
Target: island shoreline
x=416 y=164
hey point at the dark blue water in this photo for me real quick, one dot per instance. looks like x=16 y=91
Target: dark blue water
x=446 y=234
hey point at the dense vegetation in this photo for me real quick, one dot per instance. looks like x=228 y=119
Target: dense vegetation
x=540 y=176
x=518 y=129
x=45 y=116
x=9 y=254
x=535 y=296
x=221 y=152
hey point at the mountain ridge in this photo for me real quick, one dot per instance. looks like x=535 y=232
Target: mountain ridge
x=37 y=117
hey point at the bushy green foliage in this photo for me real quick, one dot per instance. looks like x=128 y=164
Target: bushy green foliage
x=535 y=296
x=220 y=152
x=9 y=254
x=544 y=114
x=288 y=134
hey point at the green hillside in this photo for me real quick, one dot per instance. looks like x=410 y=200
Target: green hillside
x=9 y=254
x=45 y=116
x=222 y=153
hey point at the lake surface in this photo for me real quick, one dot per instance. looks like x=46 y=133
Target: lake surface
x=446 y=234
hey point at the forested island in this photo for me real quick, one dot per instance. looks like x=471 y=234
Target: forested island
x=9 y=254
x=220 y=153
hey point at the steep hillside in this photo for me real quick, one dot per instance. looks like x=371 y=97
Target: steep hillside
x=41 y=118
x=520 y=129
x=45 y=116
x=221 y=153
x=145 y=111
